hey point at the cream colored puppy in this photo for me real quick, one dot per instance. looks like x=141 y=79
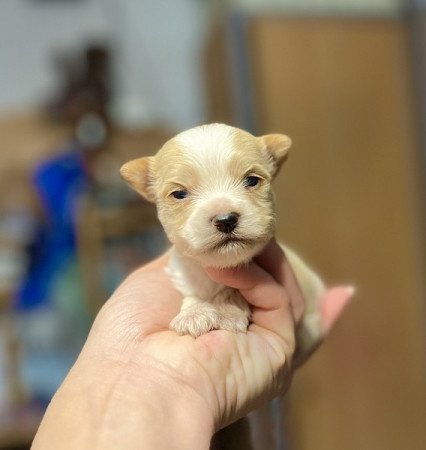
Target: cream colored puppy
x=212 y=188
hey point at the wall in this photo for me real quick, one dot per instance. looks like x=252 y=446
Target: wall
x=157 y=45
x=30 y=32
x=329 y=6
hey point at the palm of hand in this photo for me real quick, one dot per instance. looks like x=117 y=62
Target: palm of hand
x=230 y=372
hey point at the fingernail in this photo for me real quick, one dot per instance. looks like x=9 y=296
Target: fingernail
x=351 y=291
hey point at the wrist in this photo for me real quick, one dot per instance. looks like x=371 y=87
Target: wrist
x=169 y=413
x=173 y=416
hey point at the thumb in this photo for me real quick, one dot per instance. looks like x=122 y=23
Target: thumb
x=332 y=304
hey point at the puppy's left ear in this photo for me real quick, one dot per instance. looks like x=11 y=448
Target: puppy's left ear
x=276 y=146
x=139 y=174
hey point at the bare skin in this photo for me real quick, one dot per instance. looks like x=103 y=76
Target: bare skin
x=136 y=384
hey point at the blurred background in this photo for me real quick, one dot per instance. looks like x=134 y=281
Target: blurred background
x=86 y=85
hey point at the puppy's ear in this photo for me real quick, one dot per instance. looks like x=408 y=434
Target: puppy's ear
x=139 y=174
x=276 y=146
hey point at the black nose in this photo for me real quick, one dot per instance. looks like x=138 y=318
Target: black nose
x=226 y=223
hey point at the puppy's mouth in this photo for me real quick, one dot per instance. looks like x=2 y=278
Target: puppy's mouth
x=232 y=241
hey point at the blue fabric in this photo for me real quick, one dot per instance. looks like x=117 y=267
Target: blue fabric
x=59 y=182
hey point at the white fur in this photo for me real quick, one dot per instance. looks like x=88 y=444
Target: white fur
x=206 y=305
x=208 y=147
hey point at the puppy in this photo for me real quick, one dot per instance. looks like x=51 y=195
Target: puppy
x=212 y=188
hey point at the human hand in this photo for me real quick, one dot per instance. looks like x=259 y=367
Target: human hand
x=133 y=364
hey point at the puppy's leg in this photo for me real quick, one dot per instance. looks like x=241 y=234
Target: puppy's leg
x=234 y=311
x=196 y=317
x=309 y=332
x=226 y=311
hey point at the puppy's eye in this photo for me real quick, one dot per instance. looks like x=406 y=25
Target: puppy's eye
x=251 y=181
x=180 y=195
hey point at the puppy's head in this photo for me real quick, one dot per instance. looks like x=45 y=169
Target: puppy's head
x=212 y=188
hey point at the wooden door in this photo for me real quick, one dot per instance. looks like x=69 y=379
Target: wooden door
x=349 y=201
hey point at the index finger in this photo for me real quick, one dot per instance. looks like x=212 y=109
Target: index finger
x=272 y=259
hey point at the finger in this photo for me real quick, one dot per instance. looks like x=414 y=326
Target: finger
x=273 y=260
x=271 y=304
x=248 y=278
x=332 y=304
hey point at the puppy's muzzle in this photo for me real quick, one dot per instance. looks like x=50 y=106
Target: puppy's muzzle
x=226 y=223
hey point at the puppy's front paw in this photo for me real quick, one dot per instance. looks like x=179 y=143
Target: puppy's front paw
x=203 y=317
x=196 y=320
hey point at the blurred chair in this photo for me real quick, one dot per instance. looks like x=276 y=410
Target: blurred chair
x=97 y=225
x=111 y=210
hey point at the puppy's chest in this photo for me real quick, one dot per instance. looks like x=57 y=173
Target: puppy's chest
x=190 y=279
